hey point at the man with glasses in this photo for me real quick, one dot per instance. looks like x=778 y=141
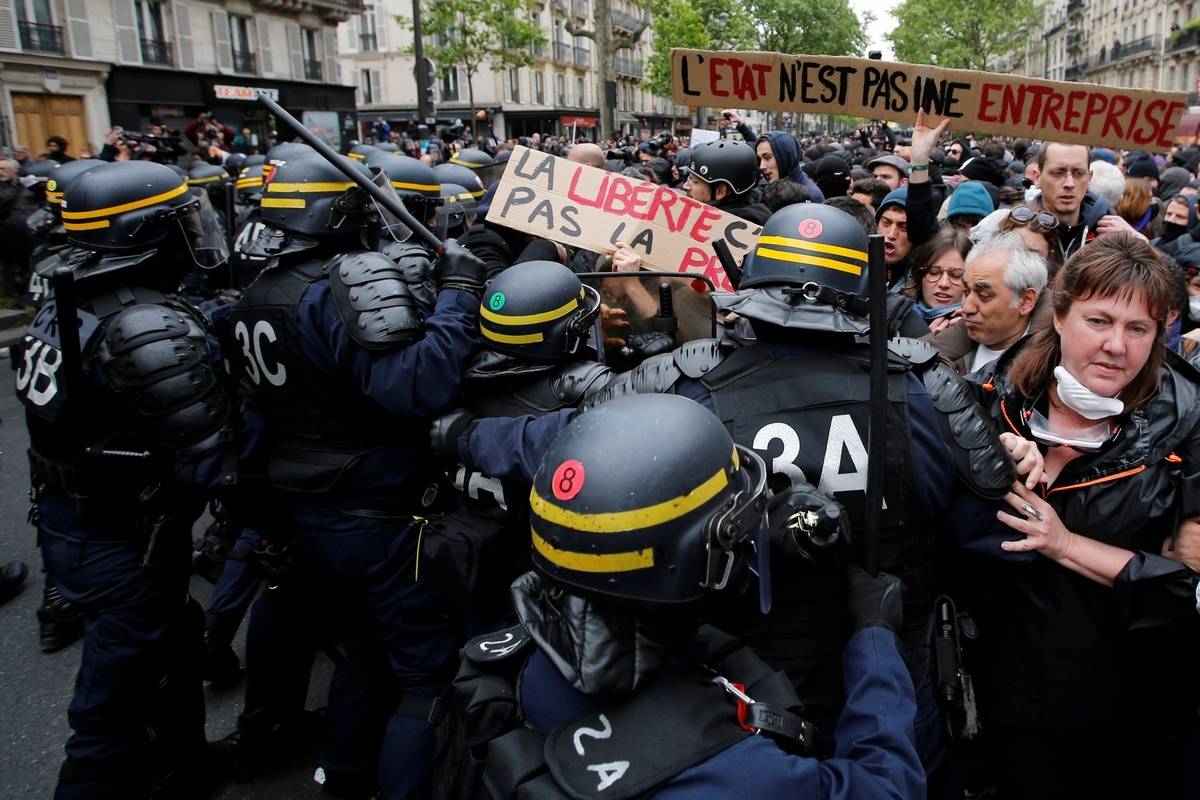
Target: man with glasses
x=1063 y=174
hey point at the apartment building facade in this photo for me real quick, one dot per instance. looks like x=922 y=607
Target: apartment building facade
x=559 y=94
x=75 y=68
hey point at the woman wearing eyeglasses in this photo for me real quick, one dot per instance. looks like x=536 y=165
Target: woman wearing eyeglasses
x=1090 y=631
x=936 y=288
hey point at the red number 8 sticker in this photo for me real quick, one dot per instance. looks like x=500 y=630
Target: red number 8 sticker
x=567 y=480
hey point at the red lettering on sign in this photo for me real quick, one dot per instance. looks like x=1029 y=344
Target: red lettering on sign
x=1073 y=110
x=1050 y=113
x=1096 y=104
x=703 y=224
x=986 y=102
x=763 y=70
x=639 y=200
x=618 y=192
x=1165 y=128
x=1120 y=104
x=575 y=197
x=714 y=79
x=703 y=261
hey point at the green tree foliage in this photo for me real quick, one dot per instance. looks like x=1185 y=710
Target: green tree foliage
x=473 y=34
x=813 y=27
x=679 y=25
x=961 y=34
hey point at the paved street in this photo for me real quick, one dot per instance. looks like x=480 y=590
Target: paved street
x=35 y=689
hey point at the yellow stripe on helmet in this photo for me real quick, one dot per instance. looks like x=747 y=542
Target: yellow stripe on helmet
x=130 y=206
x=504 y=338
x=86 y=226
x=816 y=247
x=802 y=258
x=529 y=319
x=314 y=186
x=417 y=187
x=594 y=562
x=210 y=179
x=634 y=519
x=283 y=202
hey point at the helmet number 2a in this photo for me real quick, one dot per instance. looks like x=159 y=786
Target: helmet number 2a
x=36 y=377
x=252 y=352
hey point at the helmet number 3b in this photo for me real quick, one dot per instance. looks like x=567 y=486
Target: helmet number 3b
x=37 y=375
x=252 y=352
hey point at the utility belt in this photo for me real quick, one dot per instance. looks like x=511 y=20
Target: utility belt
x=955 y=685
x=101 y=476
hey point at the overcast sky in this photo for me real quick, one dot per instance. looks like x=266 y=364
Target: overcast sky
x=883 y=23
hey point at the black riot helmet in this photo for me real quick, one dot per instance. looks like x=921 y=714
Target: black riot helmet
x=289 y=151
x=727 y=161
x=808 y=270
x=47 y=221
x=255 y=159
x=361 y=152
x=209 y=179
x=386 y=147
x=250 y=184
x=645 y=501
x=463 y=176
x=457 y=211
x=234 y=163
x=480 y=163
x=312 y=197
x=537 y=310
x=130 y=207
x=415 y=183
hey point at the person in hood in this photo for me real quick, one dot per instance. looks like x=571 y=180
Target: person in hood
x=779 y=158
x=1179 y=218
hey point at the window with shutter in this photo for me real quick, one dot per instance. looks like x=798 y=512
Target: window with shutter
x=220 y=23
x=264 y=46
x=294 y=54
x=329 y=37
x=381 y=27
x=183 y=35
x=79 y=28
x=128 y=43
x=8 y=26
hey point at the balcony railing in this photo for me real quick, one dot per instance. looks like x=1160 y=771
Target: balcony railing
x=562 y=52
x=368 y=42
x=244 y=61
x=624 y=20
x=1122 y=50
x=628 y=66
x=582 y=57
x=539 y=51
x=45 y=38
x=155 y=51
x=1074 y=39
x=580 y=8
x=1186 y=39
x=312 y=70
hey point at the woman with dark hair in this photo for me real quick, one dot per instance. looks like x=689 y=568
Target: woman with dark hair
x=936 y=288
x=1139 y=207
x=1084 y=621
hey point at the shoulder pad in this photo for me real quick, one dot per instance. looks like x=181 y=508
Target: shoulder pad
x=497 y=646
x=981 y=460
x=696 y=358
x=158 y=357
x=374 y=301
x=578 y=380
x=916 y=352
x=655 y=375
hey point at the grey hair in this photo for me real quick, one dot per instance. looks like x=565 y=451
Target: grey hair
x=1025 y=270
x=1107 y=181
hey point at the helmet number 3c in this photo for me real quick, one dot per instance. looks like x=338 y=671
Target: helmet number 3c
x=252 y=351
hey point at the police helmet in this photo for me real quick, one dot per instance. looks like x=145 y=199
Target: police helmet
x=234 y=163
x=361 y=152
x=808 y=270
x=409 y=177
x=250 y=184
x=202 y=175
x=138 y=206
x=311 y=196
x=472 y=158
x=257 y=158
x=289 y=151
x=47 y=220
x=646 y=501
x=538 y=310
x=387 y=147
x=727 y=161
x=463 y=176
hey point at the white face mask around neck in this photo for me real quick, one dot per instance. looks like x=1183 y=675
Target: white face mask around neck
x=1082 y=400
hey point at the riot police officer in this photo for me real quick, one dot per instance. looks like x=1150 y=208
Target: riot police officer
x=129 y=425
x=343 y=364
x=463 y=176
x=642 y=511
x=797 y=391
x=538 y=356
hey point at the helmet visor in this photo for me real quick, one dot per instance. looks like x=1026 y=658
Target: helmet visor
x=455 y=214
x=391 y=226
x=202 y=231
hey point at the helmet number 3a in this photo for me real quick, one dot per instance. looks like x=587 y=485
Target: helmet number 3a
x=252 y=352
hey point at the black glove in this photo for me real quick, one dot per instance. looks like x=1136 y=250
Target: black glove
x=457 y=268
x=446 y=430
x=874 y=602
x=644 y=345
x=806 y=522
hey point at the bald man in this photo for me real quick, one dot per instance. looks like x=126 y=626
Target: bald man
x=587 y=153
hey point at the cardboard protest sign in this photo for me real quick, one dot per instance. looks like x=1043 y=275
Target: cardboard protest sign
x=701 y=136
x=594 y=209
x=1075 y=113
